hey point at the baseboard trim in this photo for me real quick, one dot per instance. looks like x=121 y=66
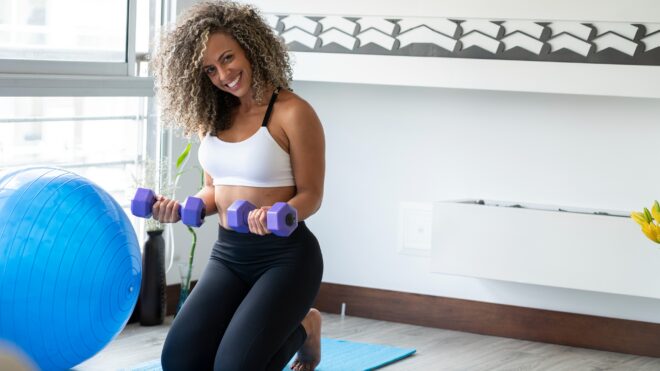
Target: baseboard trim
x=577 y=330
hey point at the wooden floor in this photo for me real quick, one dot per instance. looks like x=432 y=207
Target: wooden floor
x=436 y=349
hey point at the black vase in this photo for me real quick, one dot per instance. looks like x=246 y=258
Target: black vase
x=152 y=292
x=135 y=315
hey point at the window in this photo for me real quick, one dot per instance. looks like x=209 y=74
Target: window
x=100 y=138
x=63 y=30
x=70 y=92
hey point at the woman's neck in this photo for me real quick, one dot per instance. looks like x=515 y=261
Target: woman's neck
x=248 y=103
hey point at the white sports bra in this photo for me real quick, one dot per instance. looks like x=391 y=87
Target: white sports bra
x=257 y=161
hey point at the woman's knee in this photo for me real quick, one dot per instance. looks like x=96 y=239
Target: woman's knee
x=172 y=358
x=237 y=363
x=237 y=354
x=177 y=355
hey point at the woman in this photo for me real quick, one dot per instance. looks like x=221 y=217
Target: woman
x=223 y=74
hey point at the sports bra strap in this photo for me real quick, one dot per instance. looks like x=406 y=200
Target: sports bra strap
x=270 y=107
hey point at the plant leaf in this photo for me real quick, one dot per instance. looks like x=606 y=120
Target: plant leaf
x=183 y=156
x=647 y=215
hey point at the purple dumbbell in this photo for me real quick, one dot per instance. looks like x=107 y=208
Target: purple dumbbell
x=281 y=218
x=192 y=213
x=237 y=215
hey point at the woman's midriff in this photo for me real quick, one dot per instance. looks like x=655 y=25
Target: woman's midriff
x=258 y=196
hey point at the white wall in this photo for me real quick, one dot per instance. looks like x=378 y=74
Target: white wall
x=392 y=144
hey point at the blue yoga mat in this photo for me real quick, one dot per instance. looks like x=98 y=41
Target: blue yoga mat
x=337 y=355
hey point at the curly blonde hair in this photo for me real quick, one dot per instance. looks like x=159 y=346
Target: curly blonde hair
x=187 y=97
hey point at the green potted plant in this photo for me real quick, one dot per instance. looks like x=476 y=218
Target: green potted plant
x=151 y=306
x=186 y=271
x=157 y=177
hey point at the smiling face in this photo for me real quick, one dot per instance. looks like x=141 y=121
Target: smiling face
x=225 y=64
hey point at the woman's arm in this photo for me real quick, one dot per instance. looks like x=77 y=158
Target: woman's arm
x=207 y=194
x=307 y=151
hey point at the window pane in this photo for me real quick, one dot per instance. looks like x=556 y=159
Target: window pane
x=68 y=30
x=99 y=138
x=147 y=25
x=144 y=22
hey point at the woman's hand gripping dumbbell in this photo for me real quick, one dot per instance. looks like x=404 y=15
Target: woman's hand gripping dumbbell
x=281 y=218
x=192 y=213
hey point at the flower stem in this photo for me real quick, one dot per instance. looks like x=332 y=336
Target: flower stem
x=192 y=255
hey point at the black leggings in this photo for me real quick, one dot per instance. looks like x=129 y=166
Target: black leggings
x=246 y=310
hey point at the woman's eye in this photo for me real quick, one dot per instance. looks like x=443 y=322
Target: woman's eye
x=228 y=58
x=210 y=70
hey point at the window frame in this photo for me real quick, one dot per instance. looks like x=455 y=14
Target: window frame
x=75 y=78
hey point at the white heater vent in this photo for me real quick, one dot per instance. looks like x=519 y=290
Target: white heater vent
x=585 y=249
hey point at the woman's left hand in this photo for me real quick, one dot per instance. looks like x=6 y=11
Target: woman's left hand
x=257 y=221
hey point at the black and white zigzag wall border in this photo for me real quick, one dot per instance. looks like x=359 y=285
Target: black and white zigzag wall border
x=552 y=41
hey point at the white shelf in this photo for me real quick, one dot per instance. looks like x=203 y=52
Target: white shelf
x=485 y=74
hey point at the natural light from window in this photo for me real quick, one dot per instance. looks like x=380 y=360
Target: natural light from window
x=71 y=30
x=100 y=138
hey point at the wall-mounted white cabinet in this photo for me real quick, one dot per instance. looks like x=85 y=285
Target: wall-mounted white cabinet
x=540 y=246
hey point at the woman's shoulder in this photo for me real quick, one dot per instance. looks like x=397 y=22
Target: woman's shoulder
x=293 y=107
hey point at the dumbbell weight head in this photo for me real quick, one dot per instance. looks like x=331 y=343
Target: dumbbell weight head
x=193 y=213
x=282 y=219
x=237 y=215
x=143 y=202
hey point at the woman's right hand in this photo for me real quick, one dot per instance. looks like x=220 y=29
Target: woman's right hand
x=166 y=210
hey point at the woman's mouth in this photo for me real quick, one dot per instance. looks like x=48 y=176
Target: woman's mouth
x=234 y=84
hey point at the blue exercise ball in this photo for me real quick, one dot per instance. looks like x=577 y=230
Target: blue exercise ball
x=70 y=266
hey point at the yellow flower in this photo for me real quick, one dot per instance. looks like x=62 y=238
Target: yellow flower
x=650 y=232
x=655 y=211
x=638 y=217
x=656 y=230
x=647 y=214
x=646 y=219
x=646 y=228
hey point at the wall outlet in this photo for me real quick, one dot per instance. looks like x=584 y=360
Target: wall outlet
x=415 y=227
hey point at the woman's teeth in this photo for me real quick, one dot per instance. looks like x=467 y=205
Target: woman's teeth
x=232 y=84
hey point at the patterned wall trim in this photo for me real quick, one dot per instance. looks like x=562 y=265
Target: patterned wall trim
x=555 y=41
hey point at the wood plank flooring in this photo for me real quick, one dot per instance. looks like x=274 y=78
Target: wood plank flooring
x=436 y=349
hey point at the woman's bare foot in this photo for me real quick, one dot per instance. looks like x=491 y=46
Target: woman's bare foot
x=309 y=355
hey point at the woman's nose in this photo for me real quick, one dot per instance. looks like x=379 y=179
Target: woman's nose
x=222 y=74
